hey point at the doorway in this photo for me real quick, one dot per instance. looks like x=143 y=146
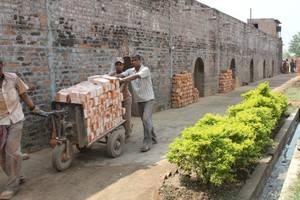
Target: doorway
x=273 y=68
x=251 y=71
x=264 y=70
x=199 y=76
x=233 y=68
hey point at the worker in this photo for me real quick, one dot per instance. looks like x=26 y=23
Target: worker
x=11 y=124
x=140 y=78
x=118 y=68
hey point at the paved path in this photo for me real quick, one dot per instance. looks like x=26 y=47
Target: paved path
x=134 y=175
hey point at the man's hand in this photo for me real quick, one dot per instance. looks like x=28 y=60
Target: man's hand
x=38 y=111
x=122 y=80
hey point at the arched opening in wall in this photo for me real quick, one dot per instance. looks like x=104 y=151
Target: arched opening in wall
x=264 y=70
x=273 y=68
x=199 y=76
x=233 y=68
x=251 y=71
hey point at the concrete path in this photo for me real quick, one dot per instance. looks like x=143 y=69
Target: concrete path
x=134 y=175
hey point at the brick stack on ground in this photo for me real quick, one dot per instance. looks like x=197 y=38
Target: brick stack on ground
x=226 y=82
x=298 y=66
x=101 y=99
x=183 y=90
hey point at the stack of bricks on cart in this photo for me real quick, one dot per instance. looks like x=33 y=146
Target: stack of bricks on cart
x=226 y=82
x=102 y=103
x=183 y=90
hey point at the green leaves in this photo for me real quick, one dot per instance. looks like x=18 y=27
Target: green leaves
x=295 y=45
x=217 y=147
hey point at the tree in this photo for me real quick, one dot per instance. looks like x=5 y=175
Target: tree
x=295 y=45
x=286 y=54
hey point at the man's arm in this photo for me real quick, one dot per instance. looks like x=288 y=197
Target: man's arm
x=145 y=72
x=27 y=100
x=112 y=74
x=124 y=74
x=119 y=75
x=22 y=90
x=34 y=109
x=130 y=78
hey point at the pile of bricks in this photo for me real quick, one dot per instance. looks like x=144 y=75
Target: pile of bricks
x=102 y=103
x=298 y=66
x=183 y=90
x=226 y=82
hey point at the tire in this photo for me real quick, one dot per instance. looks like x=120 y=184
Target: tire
x=60 y=159
x=83 y=149
x=115 y=144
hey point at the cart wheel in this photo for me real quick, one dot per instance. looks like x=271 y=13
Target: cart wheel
x=60 y=158
x=83 y=149
x=115 y=144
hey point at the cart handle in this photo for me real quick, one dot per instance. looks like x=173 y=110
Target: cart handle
x=50 y=113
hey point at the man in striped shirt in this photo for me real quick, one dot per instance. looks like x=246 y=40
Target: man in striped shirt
x=12 y=90
x=140 y=78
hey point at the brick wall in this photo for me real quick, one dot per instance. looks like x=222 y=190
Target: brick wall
x=266 y=25
x=23 y=46
x=55 y=44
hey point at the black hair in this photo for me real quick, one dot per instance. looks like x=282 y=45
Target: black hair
x=136 y=56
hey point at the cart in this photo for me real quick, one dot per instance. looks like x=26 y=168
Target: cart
x=69 y=128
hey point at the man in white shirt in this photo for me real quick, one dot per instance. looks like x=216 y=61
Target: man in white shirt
x=140 y=78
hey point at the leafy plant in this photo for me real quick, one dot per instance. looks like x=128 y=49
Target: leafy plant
x=217 y=147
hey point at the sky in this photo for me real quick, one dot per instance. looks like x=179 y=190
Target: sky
x=287 y=12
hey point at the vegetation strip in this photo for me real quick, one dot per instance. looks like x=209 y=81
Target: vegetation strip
x=217 y=149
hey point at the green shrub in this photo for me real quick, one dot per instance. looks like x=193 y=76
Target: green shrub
x=261 y=122
x=211 y=152
x=261 y=97
x=217 y=147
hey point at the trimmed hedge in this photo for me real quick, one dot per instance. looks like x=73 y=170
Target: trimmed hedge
x=217 y=147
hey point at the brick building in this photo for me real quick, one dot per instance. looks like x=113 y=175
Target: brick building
x=269 y=26
x=56 y=43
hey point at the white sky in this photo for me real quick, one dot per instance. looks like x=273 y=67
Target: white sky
x=286 y=11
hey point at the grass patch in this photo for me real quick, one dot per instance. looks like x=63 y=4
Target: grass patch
x=290 y=109
x=295 y=190
x=293 y=94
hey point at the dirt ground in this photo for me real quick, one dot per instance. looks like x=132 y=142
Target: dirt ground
x=134 y=175
x=180 y=187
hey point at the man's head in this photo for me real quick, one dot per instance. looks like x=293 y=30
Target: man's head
x=119 y=64
x=136 y=60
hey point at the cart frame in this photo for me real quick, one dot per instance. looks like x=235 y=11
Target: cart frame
x=69 y=128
